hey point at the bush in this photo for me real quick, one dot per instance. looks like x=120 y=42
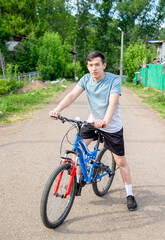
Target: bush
x=26 y=55
x=51 y=59
x=10 y=84
x=69 y=70
x=134 y=56
x=4 y=88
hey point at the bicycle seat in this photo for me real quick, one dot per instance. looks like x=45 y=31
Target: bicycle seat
x=99 y=134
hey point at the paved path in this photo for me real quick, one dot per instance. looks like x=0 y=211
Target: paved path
x=29 y=152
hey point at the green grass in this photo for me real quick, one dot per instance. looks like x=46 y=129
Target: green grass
x=17 y=107
x=154 y=98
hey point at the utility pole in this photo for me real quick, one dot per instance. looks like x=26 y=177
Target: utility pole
x=121 y=54
x=75 y=73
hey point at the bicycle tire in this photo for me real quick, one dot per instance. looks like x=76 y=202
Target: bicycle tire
x=54 y=209
x=101 y=186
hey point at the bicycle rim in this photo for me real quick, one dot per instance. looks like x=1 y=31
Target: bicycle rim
x=101 y=186
x=55 y=208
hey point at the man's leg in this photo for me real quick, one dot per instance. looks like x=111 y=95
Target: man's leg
x=126 y=176
x=124 y=169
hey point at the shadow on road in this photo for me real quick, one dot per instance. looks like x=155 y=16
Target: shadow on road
x=151 y=210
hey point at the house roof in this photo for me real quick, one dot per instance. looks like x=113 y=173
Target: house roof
x=18 y=38
x=156 y=41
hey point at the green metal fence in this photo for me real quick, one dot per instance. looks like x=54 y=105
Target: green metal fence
x=163 y=84
x=153 y=76
x=144 y=75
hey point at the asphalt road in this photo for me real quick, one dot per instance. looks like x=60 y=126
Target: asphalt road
x=29 y=152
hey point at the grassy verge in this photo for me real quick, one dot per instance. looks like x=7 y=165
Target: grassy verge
x=156 y=99
x=18 y=107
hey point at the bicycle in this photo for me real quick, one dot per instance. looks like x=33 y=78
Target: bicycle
x=59 y=192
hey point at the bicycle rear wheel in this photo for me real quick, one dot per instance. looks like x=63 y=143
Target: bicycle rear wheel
x=54 y=208
x=101 y=186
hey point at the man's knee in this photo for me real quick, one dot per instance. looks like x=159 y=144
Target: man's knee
x=120 y=160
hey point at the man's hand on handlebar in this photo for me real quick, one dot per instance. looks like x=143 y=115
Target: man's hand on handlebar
x=54 y=113
x=100 y=123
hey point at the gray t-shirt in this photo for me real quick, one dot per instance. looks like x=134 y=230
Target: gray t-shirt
x=98 y=98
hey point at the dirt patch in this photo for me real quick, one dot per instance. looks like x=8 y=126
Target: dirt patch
x=36 y=85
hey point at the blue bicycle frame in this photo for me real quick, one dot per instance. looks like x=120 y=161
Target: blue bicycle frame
x=81 y=150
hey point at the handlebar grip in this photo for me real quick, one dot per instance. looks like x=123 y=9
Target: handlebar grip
x=59 y=117
x=103 y=126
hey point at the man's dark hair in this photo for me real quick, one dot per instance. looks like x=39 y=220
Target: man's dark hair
x=96 y=54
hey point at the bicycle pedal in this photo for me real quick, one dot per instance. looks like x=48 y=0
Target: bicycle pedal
x=82 y=182
x=111 y=174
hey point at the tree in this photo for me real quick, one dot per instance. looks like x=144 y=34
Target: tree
x=107 y=35
x=161 y=34
x=2 y=63
x=5 y=35
x=56 y=17
x=140 y=19
x=24 y=17
x=160 y=12
x=83 y=32
x=51 y=58
x=105 y=10
x=69 y=70
x=134 y=56
x=19 y=16
x=25 y=54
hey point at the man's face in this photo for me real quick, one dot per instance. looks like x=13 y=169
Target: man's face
x=96 y=68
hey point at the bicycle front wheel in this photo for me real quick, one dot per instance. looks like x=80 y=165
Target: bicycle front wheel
x=54 y=207
x=102 y=185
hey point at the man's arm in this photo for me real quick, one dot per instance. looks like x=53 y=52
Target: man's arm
x=113 y=100
x=67 y=101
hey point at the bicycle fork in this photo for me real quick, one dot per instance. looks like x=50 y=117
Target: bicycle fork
x=72 y=175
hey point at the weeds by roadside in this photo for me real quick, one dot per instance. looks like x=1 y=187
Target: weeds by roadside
x=17 y=107
x=155 y=98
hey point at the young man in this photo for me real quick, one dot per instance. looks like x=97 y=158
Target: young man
x=103 y=91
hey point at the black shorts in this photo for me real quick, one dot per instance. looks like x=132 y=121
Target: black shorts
x=113 y=141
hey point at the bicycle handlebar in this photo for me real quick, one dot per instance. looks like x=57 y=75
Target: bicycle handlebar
x=64 y=119
x=78 y=122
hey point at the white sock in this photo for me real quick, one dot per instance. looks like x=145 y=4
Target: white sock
x=78 y=178
x=128 y=189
